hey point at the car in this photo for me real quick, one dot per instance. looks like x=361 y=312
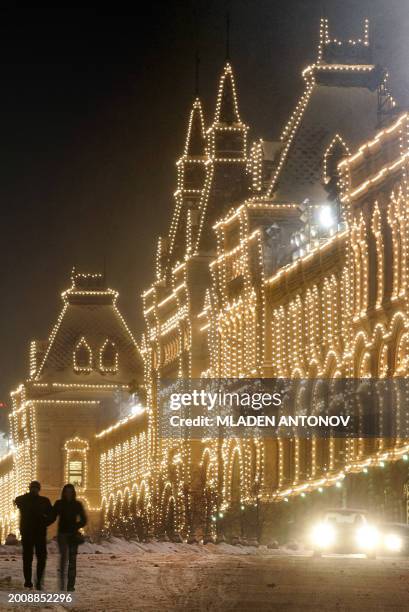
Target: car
x=345 y=530
x=395 y=538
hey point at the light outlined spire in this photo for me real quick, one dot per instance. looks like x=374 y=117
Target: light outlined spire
x=195 y=140
x=227 y=110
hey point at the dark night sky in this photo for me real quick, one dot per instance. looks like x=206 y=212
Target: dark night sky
x=93 y=113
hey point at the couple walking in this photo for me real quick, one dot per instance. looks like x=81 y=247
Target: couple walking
x=36 y=513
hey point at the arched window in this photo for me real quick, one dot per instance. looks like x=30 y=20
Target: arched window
x=360 y=251
x=396 y=219
x=380 y=255
x=82 y=356
x=255 y=166
x=108 y=357
x=402 y=356
x=76 y=458
x=336 y=150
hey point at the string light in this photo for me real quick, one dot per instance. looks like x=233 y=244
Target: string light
x=307 y=319
x=82 y=356
x=34 y=401
x=108 y=357
x=293 y=323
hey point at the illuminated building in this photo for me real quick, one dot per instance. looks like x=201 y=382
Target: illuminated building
x=271 y=292
x=283 y=270
x=79 y=381
x=283 y=259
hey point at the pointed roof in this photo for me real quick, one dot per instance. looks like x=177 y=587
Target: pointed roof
x=227 y=110
x=89 y=313
x=195 y=139
x=340 y=98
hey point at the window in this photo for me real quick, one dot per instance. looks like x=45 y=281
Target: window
x=75 y=462
x=82 y=356
x=75 y=473
x=336 y=150
x=108 y=357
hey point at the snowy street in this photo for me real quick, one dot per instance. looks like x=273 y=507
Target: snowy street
x=169 y=577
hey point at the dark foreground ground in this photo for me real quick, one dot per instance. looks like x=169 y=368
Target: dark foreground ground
x=181 y=577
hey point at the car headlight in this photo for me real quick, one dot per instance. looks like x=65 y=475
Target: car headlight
x=393 y=542
x=367 y=537
x=323 y=535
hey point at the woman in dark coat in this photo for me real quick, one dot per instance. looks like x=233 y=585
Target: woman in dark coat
x=72 y=517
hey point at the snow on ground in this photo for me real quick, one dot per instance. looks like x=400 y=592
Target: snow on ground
x=162 y=576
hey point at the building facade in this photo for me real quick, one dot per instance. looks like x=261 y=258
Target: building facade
x=79 y=382
x=276 y=265
x=283 y=260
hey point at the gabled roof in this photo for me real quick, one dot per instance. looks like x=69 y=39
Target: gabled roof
x=89 y=313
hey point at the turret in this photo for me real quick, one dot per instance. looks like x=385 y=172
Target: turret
x=227 y=136
x=195 y=140
x=193 y=169
x=191 y=166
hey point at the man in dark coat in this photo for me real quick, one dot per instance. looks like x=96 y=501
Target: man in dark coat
x=35 y=516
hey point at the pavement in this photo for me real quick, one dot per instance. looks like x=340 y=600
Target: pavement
x=205 y=578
